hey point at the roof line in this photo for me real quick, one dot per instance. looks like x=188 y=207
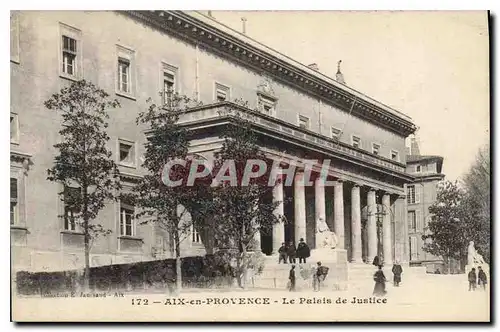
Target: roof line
x=300 y=65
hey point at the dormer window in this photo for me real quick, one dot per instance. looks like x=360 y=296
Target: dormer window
x=267 y=104
x=304 y=122
x=356 y=141
x=222 y=92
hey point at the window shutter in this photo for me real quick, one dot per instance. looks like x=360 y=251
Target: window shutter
x=418 y=221
x=13 y=188
x=417 y=193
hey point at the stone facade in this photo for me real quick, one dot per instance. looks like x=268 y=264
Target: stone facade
x=302 y=112
x=421 y=194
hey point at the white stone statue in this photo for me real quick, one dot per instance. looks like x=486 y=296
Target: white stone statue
x=473 y=257
x=324 y=237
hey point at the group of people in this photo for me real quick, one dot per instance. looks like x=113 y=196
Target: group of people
x=379 y=277
x=319 y=277
x=479 y=279
x=288 y=252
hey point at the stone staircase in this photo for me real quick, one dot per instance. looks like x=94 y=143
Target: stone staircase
x=359 y=275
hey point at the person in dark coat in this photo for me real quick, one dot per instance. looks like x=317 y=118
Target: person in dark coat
x=379 y=278
x=303 y=251
x=472 y=280
x=291 y=252
x=282 y=253
x=291 y=277
x=376 y=261
x=437 y=271
x=397 y=270
x=481 y=278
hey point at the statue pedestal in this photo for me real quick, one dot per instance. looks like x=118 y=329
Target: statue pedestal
x=336 y=261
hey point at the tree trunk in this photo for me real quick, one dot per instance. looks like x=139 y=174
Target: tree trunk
x=245 y=269
x=178 y=266
x=86 y=274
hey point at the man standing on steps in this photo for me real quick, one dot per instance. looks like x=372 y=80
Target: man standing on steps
x=303 y=251
x=282 y=253
x=291 y=252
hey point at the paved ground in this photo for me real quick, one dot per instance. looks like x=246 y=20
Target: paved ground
x=419 y=298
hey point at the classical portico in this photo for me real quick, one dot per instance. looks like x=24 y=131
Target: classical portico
x=378 y=222
x=359 y=195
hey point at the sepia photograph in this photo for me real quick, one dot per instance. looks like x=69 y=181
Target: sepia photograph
x=250 y=166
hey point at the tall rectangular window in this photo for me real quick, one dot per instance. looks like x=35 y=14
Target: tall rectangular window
x=69 y=54
x=13 y=202
x=123 y=75
x=71 y=208
x=376 y=149
x=195 y=235
x=127 y=220
x=410 y=194
x=125 y=72
x=168 y=87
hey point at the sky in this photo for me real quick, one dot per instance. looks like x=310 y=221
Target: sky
x=432 y=66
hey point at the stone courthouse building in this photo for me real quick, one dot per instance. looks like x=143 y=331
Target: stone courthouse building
x=304 y=115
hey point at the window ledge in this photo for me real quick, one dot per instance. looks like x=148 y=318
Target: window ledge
x=72 y=232
x=128 y=237
x=69 y=77
x=14 y=142
x=125 y=95
x=127 y=165
x=15 y=60
x=19 y=227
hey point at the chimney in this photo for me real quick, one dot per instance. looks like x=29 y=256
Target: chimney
x=339 y=77
x=414 y=149
x=313 y=66
x=243 y=23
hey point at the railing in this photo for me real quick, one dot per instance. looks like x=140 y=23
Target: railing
x=230 y=109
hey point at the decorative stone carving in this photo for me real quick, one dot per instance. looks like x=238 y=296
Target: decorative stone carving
x=473 y=257
x=325 y=237
x=265 y=87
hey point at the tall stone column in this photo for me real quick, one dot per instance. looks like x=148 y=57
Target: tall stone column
x=356 y=225
x=338 y=210
x=279 y=228
x=319 y=204
x=371 y=226
x=401 y=202
x=386 y=229
x=299 y=202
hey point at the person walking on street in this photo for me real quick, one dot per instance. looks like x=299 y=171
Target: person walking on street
x=379 y=278
x=472 y=280
x=291 y=277
x=397 y=270
x=282 y=253
x=320 y=275
x=303 y=251
x=291 y=252
x=481 y=278
x=376 y=261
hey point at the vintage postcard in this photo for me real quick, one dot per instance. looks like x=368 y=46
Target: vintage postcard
x=252 y=166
